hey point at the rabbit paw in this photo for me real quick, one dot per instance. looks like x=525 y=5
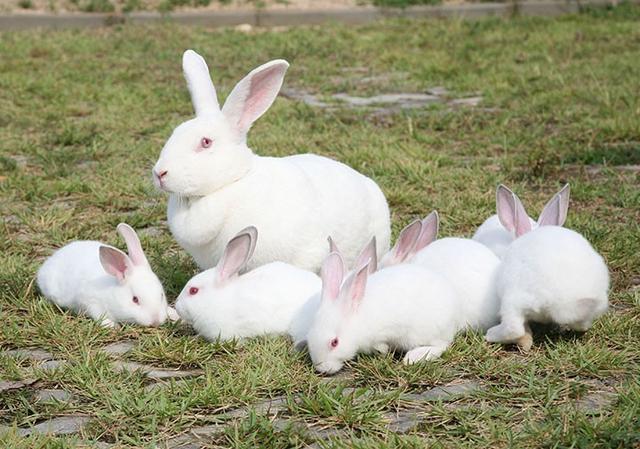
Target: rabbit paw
x=106 y=322
x=423 y=353
x=172 y=314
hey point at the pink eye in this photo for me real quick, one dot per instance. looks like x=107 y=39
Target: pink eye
x=193 y=290
x=205 y=142
x=334 y=342
x=135 y=300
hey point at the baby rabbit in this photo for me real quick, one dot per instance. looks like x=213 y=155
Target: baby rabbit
x=468 y=266
x=549 y=275
x=498 y=231
x=304 y=316
x=403 y=307
x=221 y=304
x=104 y=283
x=218 y=186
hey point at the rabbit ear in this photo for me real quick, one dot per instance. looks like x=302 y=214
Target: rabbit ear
x=406 y=242
x=429 y=231
x=134 y=248
x=369 y=255
x=511 y=212
x=355 y=286
x=333 y=248
x=115 y=262
x=254 y=94
x=203 y=93
x=555 y=211
x=331 y=273
x=237 y=253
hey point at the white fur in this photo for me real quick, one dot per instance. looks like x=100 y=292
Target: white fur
x=470 y=268
x=549 y=275
x=74 y=278
x=404 y=307
x=259 y=302
x=498 y=231
x=295 y=201
x=494 y=236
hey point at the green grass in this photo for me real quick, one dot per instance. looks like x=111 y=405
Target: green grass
x=85 y=114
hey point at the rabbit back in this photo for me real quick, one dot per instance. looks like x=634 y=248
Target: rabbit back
x=470 y=268
x=73 y=276
x=553 y=274
x=407 y=306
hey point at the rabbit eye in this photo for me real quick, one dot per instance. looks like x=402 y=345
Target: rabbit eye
x=135 y=300
x=334 y=342
x=205 y=142
x=193 y=290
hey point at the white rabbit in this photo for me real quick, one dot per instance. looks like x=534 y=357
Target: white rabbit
x=404 y=307
x=221 y=304
x=304 y=317
x=104 y=283
x=218 y=186
x=499 y=230
x=549 y=275
x=468 y=266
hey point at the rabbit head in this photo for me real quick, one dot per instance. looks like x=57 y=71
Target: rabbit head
x=215 y=283
x=210 y=151
x=140 y=297
x=514 y=218
x=333 y=338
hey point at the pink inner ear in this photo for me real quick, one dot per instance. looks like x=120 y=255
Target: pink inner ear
x=555 y=211
x=505 y=206
x=331 y=273
x=262 y=91
x=355 y=287
x=523 y=223
x=550 y=215
x=333 y=248
x=369 y=255
x=114 y=262
x=406 y=241
x=428 y=233
x=235 y=257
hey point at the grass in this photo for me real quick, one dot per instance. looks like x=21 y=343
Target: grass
x=86 y=112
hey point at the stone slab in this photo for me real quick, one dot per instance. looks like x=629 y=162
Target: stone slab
x=53 y=394
x=156 y=373
x=52 y=365
x=7 y=385
x=30 y=353
x=403 y=421
x=119 y=348
x=596 y=403
x=62 y=425
x=447 y=392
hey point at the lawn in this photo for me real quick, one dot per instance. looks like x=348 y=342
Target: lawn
x=84 y=114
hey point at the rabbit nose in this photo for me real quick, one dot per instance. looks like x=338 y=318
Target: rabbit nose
x=161 y=174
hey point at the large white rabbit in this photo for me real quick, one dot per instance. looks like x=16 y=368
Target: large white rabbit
x=498 y=231
x=549 y=275
x=222 y=304
x=104 y=283
x=218 y=186
x=404 y=307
